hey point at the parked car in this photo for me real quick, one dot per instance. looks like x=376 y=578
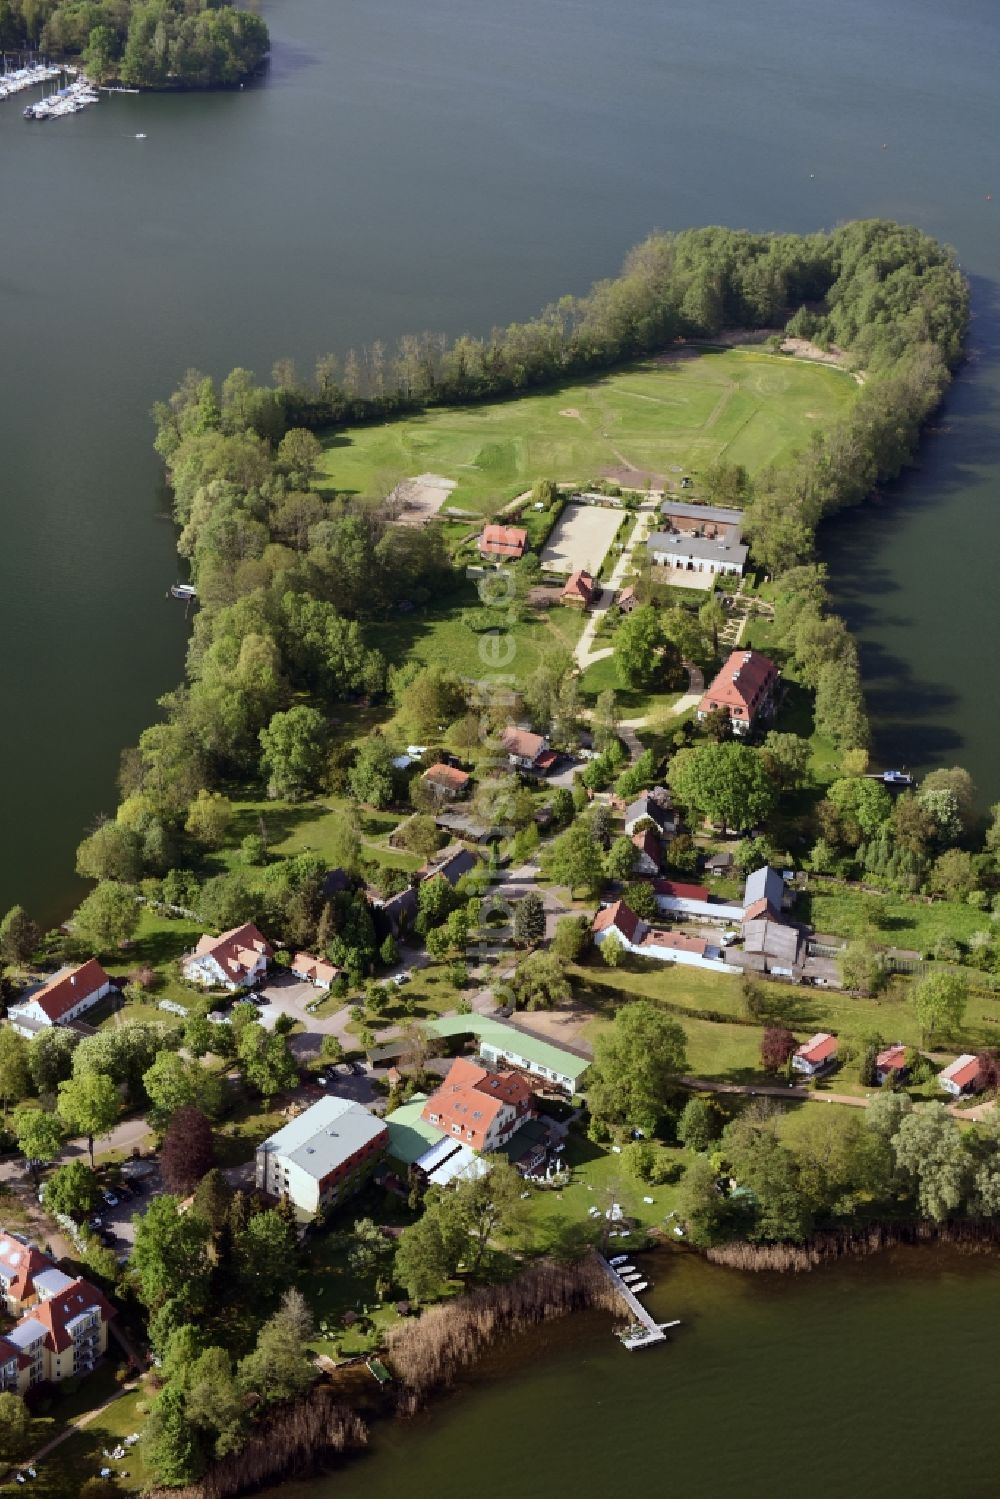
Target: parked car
x=111 y=1199
x=323 y=1081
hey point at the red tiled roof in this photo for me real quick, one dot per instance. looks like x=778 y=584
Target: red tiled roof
x=818 y=1048
x=20 y=1264
x=65 y=991
x=9 y=1351
x=520 y=742
x=314 y=968
x=618 y=917
x=676 y=891
x=503 y=541
x=740 y=684
x=760 y=910
x=893 y=1058
x=471 y=1097
x=648 y=843
x=579 y=586
x=676 y=941
x=56 y=1313
x=963 y=1071
x=235 y=951
x=447 y=775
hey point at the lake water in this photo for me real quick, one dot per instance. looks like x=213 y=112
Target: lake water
x=447 y=166
x=870 y=1379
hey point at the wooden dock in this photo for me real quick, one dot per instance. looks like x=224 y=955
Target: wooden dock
x=645 y=1331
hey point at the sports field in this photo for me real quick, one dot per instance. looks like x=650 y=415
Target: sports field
x=673 y=415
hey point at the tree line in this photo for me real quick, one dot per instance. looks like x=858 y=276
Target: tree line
x=141 y=43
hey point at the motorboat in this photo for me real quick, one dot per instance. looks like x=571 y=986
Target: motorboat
x=183 y=591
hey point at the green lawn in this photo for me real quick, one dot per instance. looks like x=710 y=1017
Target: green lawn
x=913 y=923
x=632 y=703
x=435 y=634
x=744 y=406
x=557 y=1218
x=159 y=942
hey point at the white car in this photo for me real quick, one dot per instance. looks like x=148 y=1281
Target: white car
x=323 y=1081
x=111 y=1199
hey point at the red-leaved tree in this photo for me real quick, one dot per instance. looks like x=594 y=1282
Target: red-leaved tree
x=776 y=1045
x=188 y=1150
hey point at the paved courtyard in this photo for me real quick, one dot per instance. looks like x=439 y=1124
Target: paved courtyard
x=580 y=539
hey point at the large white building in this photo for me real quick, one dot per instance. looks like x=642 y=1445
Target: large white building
x=68 y=994
x=237 y=959
x=322 y=1156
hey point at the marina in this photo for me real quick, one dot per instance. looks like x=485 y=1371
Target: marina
x=643 y=1331
x=66 y=101
x=16 y=80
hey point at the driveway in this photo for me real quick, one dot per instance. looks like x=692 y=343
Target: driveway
x=584 y=654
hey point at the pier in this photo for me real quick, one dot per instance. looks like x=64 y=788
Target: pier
x=645 y=1331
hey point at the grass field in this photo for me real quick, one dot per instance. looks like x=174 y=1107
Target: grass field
x=746 y=407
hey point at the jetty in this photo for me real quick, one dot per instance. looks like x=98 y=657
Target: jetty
x=644 y=1330
x=15 y=80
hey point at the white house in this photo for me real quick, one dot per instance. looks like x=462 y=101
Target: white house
x=479 y=1108
x=68 y=994
x=816 y=1054
x=236 y=960
x=962 y=1076
x=649 y=942
x=322 y=1156
x=698 y=554
x=315 y=971
x=527 y=751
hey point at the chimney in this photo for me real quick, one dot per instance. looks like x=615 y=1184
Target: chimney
x=72 y=979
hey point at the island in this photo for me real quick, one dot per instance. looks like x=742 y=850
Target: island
x=508 y=897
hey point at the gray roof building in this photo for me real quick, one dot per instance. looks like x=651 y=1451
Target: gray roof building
x=649 y=805
x=716 y=514
x=764 y=884
x=676 y=547
x=780 y=945
x=314 y=1158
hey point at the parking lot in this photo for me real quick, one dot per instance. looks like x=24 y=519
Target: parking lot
x=130 y=1204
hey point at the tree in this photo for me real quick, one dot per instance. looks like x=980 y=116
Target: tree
x=962 y=787
x=266 y=1061
x=604 y=722
x=300 y=452
x=699 y=1123
x=777 y=1046
x=107 y=918
x=88 y=1105
x=639 y=642
x=539 y=982
x=19 y=936
x=15 y=1078
x=264 y=1250
x=112 y=852
x=39 y=1135
x=14 y=1421
x=529 y=920
x=574 y=859
x=862 y=968
x=170 y=1257
x=293 y=750
x=281 y=1366
x=636 y=1061
x=370 y=1247
x=50 y=1057
x=188 y=1150
x=770 y=1171
x=572 y=936
x=171 y=1443
x=71 y=1189
x=432 y=700
x=939 y=1001
x=725 y=782
x=331 y=1050
x=700 y=1204
x=928 y=1146
x=612 y=950
x=428 y=1251
x=214 y=1402
x=619 y=861
x=641 y=898
x=173 y=1083
x=208 y=819
x=489 y=1207
x=372 y=777
x=213 y=1198
x=953 y=874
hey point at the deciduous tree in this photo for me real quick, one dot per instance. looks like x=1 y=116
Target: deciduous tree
x=88 y=1105
x=636 y=1061
x=188 y=1151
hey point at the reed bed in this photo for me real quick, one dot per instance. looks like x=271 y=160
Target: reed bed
x=971 y=1236
x=430 y=1352
x=295 y=1441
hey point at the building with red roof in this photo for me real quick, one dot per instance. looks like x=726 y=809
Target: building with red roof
x=745 y=688
x=316 y=971
x=503 y=541
x=649 y=852
x=816 y=1054
x=237 y=959
x=638 y=937
x=447 y=781
x=580 y=590
x=890 y=1062
x=482 y=1109
x=68 y=994
x=527 y=751
x=964 y=1075
x=20 y=1262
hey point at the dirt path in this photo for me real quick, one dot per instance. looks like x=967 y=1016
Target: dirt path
x=584 y=654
